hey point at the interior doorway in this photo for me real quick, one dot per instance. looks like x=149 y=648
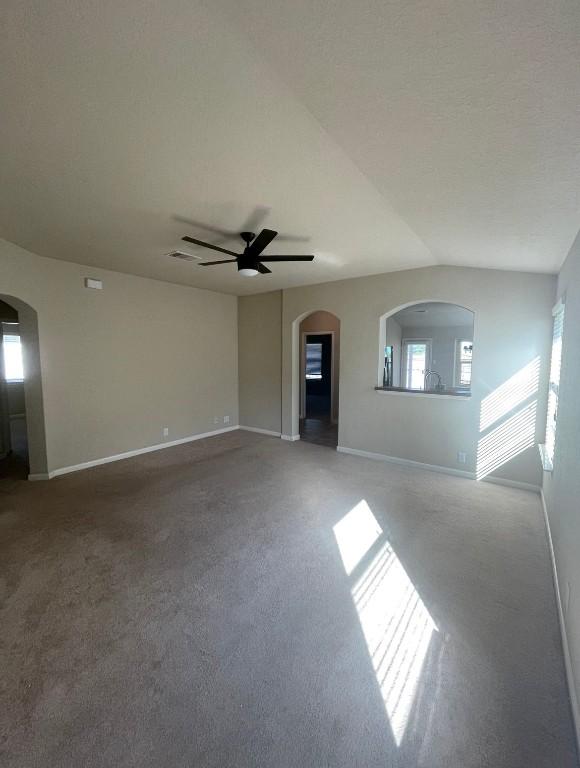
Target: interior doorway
x=22 y=430
x=319 y=389
x=14 y=461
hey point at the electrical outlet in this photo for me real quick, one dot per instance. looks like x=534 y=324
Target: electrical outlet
x=461 y=457
x=165 y=431
x=216 y=419
x=91 y=282
x=226 y=419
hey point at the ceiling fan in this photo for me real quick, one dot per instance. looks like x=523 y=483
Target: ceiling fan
x=250 y=261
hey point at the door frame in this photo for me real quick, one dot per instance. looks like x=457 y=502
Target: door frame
x=5 y=442
x=302 y=414
x=428 y=356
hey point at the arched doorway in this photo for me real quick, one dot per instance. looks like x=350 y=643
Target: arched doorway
x=319 y=366
x=22 y=431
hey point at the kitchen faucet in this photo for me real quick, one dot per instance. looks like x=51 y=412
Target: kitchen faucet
x=428 y=374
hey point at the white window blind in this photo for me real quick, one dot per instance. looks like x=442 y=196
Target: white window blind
x=313 y=360
x=554 y=386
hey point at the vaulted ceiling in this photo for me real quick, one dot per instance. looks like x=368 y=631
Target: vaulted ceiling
x=392 y=135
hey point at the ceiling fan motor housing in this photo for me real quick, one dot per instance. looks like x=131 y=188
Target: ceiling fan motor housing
x=247 y=237
x=247 y=261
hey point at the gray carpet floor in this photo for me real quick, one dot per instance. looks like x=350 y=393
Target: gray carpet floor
x=243 y=601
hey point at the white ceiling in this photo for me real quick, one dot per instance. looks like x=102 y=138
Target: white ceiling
x=393 y=135
x=434 y=314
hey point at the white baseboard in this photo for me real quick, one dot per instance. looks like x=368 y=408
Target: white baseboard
x=406 y=462
x=291 y=438
x=437 y=468
x=39 y=476
x=574 y=704
x=511 y=483
x=260 y=431
x=137 y=452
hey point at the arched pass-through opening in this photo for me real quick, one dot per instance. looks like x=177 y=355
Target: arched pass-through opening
x=428 y=334
x=22 y=410
x=315 y=377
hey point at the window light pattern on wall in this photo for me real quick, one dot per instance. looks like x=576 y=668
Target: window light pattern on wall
x=507 y=421
x=510 y=394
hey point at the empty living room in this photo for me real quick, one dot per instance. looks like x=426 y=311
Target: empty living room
x=289 y=384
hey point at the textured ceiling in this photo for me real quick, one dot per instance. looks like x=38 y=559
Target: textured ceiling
x=392 y=135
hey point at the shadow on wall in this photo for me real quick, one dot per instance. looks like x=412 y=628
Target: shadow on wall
x=33 y=396
x=507 y=423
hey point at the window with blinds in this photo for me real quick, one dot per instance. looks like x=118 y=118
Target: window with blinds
x=12 y=352
x=463 y=360
x=554 y=386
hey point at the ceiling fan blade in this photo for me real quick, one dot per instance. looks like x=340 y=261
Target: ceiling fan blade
x=189 y=239
x=282 y=238
x=255 y=219
x=286 y=258
x=211 y=263
x=263 y=270
x=225 y=234
x=261 y=241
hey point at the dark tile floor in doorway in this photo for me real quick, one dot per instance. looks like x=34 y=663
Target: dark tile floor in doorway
x=320 y=431
x=15 y=465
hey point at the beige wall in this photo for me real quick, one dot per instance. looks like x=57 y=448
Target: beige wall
x=260 y=373
x=562 y=486
x=120 y=364
x=316 y=322
x=512 y=328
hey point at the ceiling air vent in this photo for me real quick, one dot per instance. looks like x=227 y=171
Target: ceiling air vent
x=182 y=256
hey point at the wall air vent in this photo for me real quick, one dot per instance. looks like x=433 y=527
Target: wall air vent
x=182 y=256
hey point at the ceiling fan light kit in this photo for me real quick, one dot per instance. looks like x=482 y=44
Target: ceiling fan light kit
x=250 y=261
